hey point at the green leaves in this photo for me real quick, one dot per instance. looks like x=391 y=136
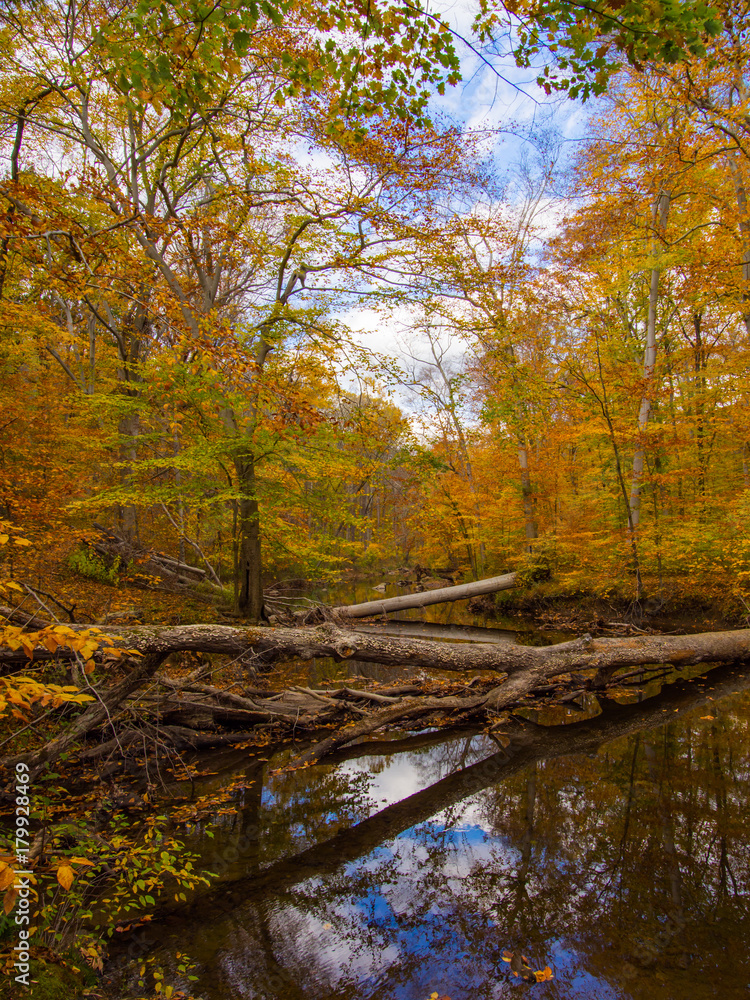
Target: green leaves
x=184 y=54
x=590 y=42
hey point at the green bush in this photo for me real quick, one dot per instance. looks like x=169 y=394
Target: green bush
x=86 y=562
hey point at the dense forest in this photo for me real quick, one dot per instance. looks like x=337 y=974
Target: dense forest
x=202 y=207
x=184 y=258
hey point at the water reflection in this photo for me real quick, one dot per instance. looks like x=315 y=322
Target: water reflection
x=613 y=850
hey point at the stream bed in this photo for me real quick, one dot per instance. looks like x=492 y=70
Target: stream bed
x=611 y=851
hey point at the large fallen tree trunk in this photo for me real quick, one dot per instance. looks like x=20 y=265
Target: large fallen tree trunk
x=527 y=668
x=423 y=598
x=261 y=644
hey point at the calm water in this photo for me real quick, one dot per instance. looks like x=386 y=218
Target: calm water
x=612 y=850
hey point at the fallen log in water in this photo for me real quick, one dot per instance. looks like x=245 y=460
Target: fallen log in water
x=257 y=645
x=526 y=668
x=461 y=592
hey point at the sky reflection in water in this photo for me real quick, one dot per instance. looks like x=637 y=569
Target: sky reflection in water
x=624 y=869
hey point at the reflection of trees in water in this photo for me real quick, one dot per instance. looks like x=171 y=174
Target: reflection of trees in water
x=632 y=858
x=639 y=856
x=299 y=812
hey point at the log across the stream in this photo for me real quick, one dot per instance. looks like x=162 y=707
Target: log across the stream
x=186 y=704
x=263 y=644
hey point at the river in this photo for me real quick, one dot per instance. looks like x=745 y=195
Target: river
x=611 y=851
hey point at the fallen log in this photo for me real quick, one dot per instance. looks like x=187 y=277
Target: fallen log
x=526 y=669
x=421 y=599
x=407 y=709
x=268 y=645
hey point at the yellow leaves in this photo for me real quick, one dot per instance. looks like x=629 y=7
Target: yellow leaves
x=10 y=900
x=85 y=642
x=65 y=876
x=7 y=876
x=65 y=872
x=519 y=966
x=9 y=535
x=23 y=692
x=93 y=956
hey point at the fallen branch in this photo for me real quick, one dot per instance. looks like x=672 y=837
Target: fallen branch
x=95 y=715
x=527 y=668
x=407 y=709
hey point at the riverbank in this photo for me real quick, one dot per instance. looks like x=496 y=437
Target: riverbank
x=555 y=604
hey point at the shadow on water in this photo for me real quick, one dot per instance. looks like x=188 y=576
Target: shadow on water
x=612 y=850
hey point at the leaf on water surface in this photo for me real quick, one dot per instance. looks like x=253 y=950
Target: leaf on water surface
x=519 y=966
x=544 y=975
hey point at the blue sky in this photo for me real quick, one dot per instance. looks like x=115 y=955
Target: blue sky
x=513 y=112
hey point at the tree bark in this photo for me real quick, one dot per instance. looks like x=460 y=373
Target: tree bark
x=425 y=598
x=249 y=566
x=661 y=211
x=274 y=644
x=527 y=495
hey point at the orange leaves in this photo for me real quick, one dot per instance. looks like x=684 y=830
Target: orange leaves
x=9 y=900
x=65 y=876
x=7 y=876
x=519 y=966
x=66 y=873
x=8 y=884
x=86 y=642
x=23 y=692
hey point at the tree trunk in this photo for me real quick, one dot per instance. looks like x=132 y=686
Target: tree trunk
x=127 y=514
x=661 y=211
x=249 y=566
x=421 y=600
x=733 y=162
x=527 y=493
x=275 y=644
